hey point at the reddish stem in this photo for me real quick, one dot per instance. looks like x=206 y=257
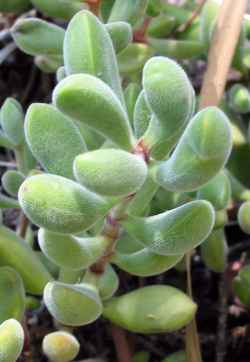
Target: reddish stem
x=94 y=5
x=142 y=150
x=121 y=344
x=140 y=34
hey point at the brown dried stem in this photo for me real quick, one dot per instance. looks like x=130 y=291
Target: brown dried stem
x=224 y=41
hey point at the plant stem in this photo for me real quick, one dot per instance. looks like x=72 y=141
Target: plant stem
x=23 y=225
x=189 y=22
x=121 y=344
x=193 y=351
x=221 y=344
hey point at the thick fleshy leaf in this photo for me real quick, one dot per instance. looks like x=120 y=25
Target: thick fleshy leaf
x=73 y=305
x=15 y=252
x=176 y=231
x=131 y=94
x=130 y=11
x=146 y=310
x=12 y=295
x=132 y=59
x=170 y=95
x=11 y=181
x=60 y=346
x=201 y=153
x=71 y=252
x=12 y=118
x=239 y=98
x=63 y=9
x=142 y=115
x=241 y=285
x=121 y=34
x=110 y=172
x=214 y=251
x=54 y=139
x=107 y=283
x=91 y=101
x=8 y=202
x=217 y=191
x=221 y=219
x=177 y=49
x=161 y=26
x=24 y=158
x=244 y=217
x=5 y=142
x=35 y=36
x=61 y=205
x=14 y=6
x=88 y=49
x=144 y=263
x=11 y=340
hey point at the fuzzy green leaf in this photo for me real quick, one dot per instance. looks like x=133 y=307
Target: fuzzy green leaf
x=71 y=252
x=73 y=305
x=35 y=36
x=12 y=295
x=176 y=231
x=15 y=252
x=110 y=172
x=62 y=9
x=178 y=49
x=201 y=153
x=217 y=191
x=14 y=6
x=214 y=251
x=11 y=181
x=130 y=11
x=54 y=139
x=132 y=59
x=144 y=263
x=147 y=310
x=12 y=118
x=161 y=26
x=121 y=34
x=89 y=100
x=61 y=205
x=88 y=49
x=170 y=95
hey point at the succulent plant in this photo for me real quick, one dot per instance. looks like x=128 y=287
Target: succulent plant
x=118 y=170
